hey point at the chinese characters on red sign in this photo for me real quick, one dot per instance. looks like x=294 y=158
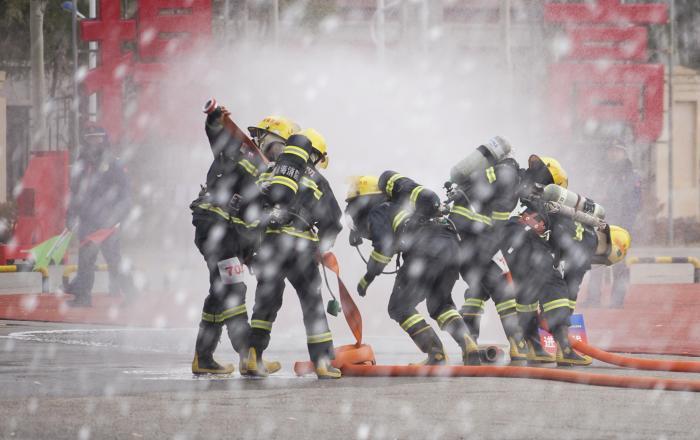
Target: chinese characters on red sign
x=604 y=76
x=160 y=30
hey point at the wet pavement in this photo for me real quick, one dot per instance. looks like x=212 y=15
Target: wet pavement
x=73 y=381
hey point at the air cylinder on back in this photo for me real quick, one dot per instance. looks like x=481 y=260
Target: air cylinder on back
x=557 y=194
x=483 y=157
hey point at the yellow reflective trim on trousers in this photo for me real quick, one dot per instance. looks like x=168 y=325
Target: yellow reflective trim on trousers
x=528 y=307
x=286 y=181
x=230 y=313
x=208 y=317
x=398 y=219
x=471 y=215
x=500 y=215
x=579 y=232
x=415 y=193
x=390 y=183
x=474 y=302
x=289 y=230
x=491 y=174
x=505 y=305
x=260 y=324
x=249 y=167
x=380 y=257
x=297 y=151
x=445 y=316
x=317 y=339
x=411 y=321
x=305 y=181
x=363 y=283
x=572 y=304
x=546 y=307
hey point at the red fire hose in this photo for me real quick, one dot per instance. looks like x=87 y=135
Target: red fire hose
x=358 y=360
x=636 y=363
x=561 y=375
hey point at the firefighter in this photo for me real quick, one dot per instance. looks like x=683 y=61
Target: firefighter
x=577 y=246
x=100 y=199
x=400 y=216
x=225 y=219
x=529 y=255
x=484 y=197
x=302 y=221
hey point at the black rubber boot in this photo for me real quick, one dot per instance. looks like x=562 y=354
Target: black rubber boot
x=567 y=356
x=518 y=347
x=207 y=340
x=473 y=323
x=460 y=333
x=429 y=343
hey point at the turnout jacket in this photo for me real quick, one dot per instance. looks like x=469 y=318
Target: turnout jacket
x=487 y=198
x=231 y=192
x=404 y=223
x=296 y=186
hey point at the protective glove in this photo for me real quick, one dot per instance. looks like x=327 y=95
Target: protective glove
x=364 y=283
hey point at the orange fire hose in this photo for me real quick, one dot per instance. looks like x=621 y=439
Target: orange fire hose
x=608 y=380
x=633 y=362
x=358 y=360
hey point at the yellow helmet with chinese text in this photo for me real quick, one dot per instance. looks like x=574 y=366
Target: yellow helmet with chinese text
x=362 y=186
x=277 y=125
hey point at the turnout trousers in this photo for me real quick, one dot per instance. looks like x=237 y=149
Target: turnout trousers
x=285 y=257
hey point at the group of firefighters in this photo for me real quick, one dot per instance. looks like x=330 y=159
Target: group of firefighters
x=516 y=236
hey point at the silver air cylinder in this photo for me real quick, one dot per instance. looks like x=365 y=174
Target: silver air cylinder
x=483 y=157
x=578 y=216
x=564 y=197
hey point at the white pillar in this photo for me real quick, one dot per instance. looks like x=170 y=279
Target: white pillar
x=3 y=141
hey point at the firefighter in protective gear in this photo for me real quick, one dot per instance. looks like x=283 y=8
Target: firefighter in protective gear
x=576 y=247
x=303 y=221
x=225 y=220
x=271 y=133
x=400 y=216
x=482 y=205
x=529 y=255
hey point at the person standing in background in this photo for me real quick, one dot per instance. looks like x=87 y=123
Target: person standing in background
x=100 y=199
x=621 y=197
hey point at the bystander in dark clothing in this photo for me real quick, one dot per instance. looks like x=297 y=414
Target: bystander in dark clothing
x=100 y=199
x=622 y=201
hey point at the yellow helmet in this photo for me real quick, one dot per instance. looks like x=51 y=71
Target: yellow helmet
x=318 y=142
x=277 y=125
x=362 y=186
x=559 y=176
x=620 y=242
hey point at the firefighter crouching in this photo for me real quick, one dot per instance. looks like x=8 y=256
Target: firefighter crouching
x=484 y=193
x=577 y=245
x=225 y=219
x=528 y=253
x=302 y=222
x=399 y=216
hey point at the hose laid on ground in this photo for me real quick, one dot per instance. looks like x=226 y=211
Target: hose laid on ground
x=561 y=375
x=633 y=362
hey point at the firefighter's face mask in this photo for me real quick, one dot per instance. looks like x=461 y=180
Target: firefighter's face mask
x=271 y=145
